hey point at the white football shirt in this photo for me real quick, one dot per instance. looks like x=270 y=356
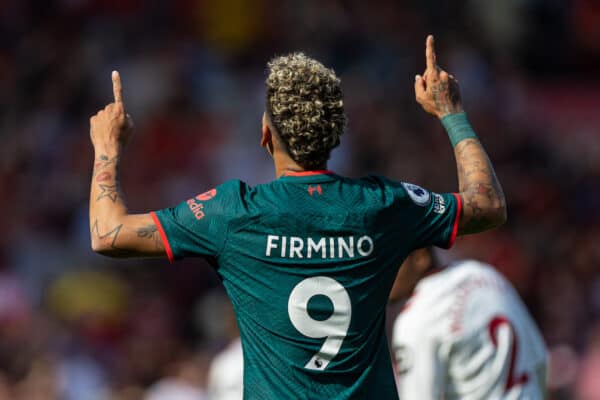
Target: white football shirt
x=465 y=334
x=226 y=373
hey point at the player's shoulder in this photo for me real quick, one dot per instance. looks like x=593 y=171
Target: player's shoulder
x=232 y=187
x=451 y=280
x=393 y=191
x=226 y=199
x=233 y=190
x=403 y=192
x=428 y=306
x=471 y=269
x=472 y=264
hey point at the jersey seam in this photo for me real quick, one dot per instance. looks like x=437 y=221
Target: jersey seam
x=222 y=247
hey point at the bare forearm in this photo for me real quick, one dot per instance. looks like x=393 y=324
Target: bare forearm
x=114 y=232
x=484 y=205
x=107 y=207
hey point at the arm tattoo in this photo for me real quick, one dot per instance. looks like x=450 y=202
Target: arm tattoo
x=104 y=176
x=479 y=187
x=103 y=163
x=150 y=232
x=114 y=233
x=110 y=191
x=147 y=231
x=477 y=220
x=107 y=190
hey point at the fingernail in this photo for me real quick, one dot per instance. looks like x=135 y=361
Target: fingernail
x=417 y=77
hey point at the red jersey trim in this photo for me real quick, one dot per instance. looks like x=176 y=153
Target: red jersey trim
x=308 y=173
x=163 y=237
x=459 y=207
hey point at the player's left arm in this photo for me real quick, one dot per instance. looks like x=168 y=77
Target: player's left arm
x=115 y=232
x=482 y=197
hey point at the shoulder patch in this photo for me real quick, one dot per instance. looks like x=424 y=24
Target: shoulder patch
x=439 y=204
x=418 y=195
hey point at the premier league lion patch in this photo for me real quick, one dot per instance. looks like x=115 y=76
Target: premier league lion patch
x=420 y=196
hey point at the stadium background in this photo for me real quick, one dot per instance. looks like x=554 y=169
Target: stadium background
x=75 y=325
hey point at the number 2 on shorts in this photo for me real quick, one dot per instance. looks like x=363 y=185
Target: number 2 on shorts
x=334 y=328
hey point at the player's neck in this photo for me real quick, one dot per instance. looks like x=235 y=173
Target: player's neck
x=284 y=164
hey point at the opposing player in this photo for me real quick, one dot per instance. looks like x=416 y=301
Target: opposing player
x=226 y=373
x=307 y=260
x=464 y=334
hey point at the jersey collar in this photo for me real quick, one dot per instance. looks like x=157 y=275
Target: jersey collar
x=308 y=176
x=308 y=173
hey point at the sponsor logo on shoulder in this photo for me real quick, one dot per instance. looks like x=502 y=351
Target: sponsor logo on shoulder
x=419 y=195
x=207 y=195
x=439 y=204
x=196 y=207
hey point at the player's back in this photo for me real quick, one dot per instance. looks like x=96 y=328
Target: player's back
x=467 y=330
x=308 y=262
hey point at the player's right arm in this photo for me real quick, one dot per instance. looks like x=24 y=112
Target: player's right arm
x=484 y=205
x=114 y=231
x=173 y=232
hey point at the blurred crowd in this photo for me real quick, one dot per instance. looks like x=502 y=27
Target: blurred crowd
x=74 y=325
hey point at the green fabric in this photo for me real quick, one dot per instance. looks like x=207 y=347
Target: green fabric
x=344 y=239
x=458 y=128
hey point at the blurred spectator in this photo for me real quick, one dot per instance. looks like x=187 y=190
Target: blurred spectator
x=185 y=383
x=588 y=384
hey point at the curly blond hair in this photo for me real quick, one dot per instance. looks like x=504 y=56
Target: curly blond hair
x=305 y=105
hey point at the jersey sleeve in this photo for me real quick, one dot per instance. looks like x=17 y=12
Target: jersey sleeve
x=199 y=226
x=431 y=218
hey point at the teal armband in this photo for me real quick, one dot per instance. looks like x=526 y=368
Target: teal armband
x=458 y=128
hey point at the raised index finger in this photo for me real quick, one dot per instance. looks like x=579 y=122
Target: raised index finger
x=430 y=54
x=117 y=88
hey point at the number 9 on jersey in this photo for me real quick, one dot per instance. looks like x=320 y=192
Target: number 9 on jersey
x=333 y=329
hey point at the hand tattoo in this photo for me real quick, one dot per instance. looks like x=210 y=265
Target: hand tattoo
x=446 y=96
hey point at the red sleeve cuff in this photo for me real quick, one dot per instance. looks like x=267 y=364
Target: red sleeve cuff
x=456 y=220
x=163 y=237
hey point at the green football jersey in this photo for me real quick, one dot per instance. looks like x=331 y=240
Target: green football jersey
x=308 y=262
